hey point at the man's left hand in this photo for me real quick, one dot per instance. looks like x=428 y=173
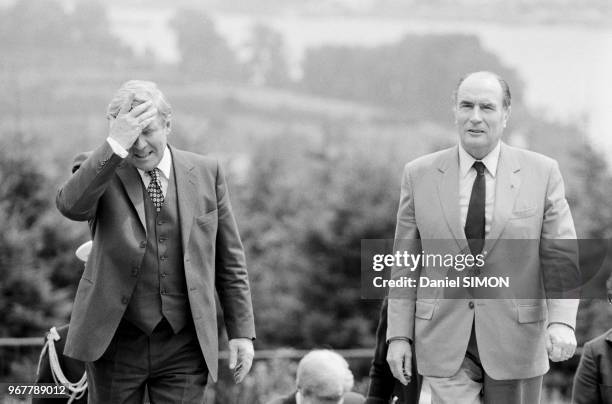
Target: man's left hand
x=241 y=355
x=560 y=342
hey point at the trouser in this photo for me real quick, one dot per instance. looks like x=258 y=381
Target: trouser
x=170 y=366
x=472 y=385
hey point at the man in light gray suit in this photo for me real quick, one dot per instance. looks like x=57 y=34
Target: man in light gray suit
x=164 y=240
x=477 y=196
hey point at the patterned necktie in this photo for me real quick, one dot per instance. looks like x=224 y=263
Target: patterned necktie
x=154 y=189
x=475 y=220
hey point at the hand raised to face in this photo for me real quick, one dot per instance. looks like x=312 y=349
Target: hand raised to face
x=130 y=122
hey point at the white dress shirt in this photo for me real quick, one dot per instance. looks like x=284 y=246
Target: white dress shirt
x=164 y=166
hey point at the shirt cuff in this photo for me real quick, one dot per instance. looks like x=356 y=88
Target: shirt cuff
x=117 y=148
x=558 y=322
x=399 y=339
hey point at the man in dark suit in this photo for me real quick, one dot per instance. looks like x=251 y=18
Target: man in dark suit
x=164 y=240
x=593 y=379
x=475 y=199
x=383 y=386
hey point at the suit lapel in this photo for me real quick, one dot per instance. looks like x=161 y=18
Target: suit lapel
x=186 y=193
x=507 y=185
x=448 y=193
x=133 y=187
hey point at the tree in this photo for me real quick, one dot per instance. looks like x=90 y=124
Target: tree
x=205 y=54
x=266 y=63
x=303 y=214
x=413 y=76
x=92 y=38
x=29 y=302
x=48 y=37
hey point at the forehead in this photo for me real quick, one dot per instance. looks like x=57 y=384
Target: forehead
x=481 y=88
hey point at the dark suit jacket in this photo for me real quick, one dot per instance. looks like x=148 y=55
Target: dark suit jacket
x=108 y=193
x=383 y=386
x=593 y=379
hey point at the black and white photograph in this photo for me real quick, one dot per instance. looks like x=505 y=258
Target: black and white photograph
x=309 y=202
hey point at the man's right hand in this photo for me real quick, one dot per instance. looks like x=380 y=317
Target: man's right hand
x=399 y=357
x=130 y=122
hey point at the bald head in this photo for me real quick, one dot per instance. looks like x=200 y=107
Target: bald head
x=323 y=376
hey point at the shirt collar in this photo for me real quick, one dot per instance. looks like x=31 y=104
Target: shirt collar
x=490 y=160
x=165 y=164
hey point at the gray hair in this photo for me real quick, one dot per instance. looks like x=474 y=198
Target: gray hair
x=507 y=97
x=143 y=91
x=324 y=374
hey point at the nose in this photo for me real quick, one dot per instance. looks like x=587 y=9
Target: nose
x=476 y=115
x=140 y=143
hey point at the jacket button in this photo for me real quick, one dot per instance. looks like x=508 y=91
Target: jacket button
x=143 y=244
x=134 y=271
x=125 y=300
x=471 y=305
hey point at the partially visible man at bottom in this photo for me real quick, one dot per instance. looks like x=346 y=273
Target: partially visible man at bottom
x=323 y=377
x=164 y=240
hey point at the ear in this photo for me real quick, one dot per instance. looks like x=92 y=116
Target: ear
x=507 y=112
x=168 y=125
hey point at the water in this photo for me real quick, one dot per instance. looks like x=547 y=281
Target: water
x=565 y=68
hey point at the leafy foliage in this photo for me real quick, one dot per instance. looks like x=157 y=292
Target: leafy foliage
x=29 y=302
x=204 y=52
x=413 y=75
x=52 y=37
x=266 y=63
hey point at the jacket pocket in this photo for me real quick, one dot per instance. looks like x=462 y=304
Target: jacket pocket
x=531 y=313
x=523 y=212
x=424 y=310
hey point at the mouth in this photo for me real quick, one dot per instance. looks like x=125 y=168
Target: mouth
x=142 y=155
x=476 y=132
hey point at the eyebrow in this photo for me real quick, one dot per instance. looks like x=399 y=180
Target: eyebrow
x=465 y=103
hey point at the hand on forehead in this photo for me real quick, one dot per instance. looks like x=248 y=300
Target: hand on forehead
x=141 y=97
